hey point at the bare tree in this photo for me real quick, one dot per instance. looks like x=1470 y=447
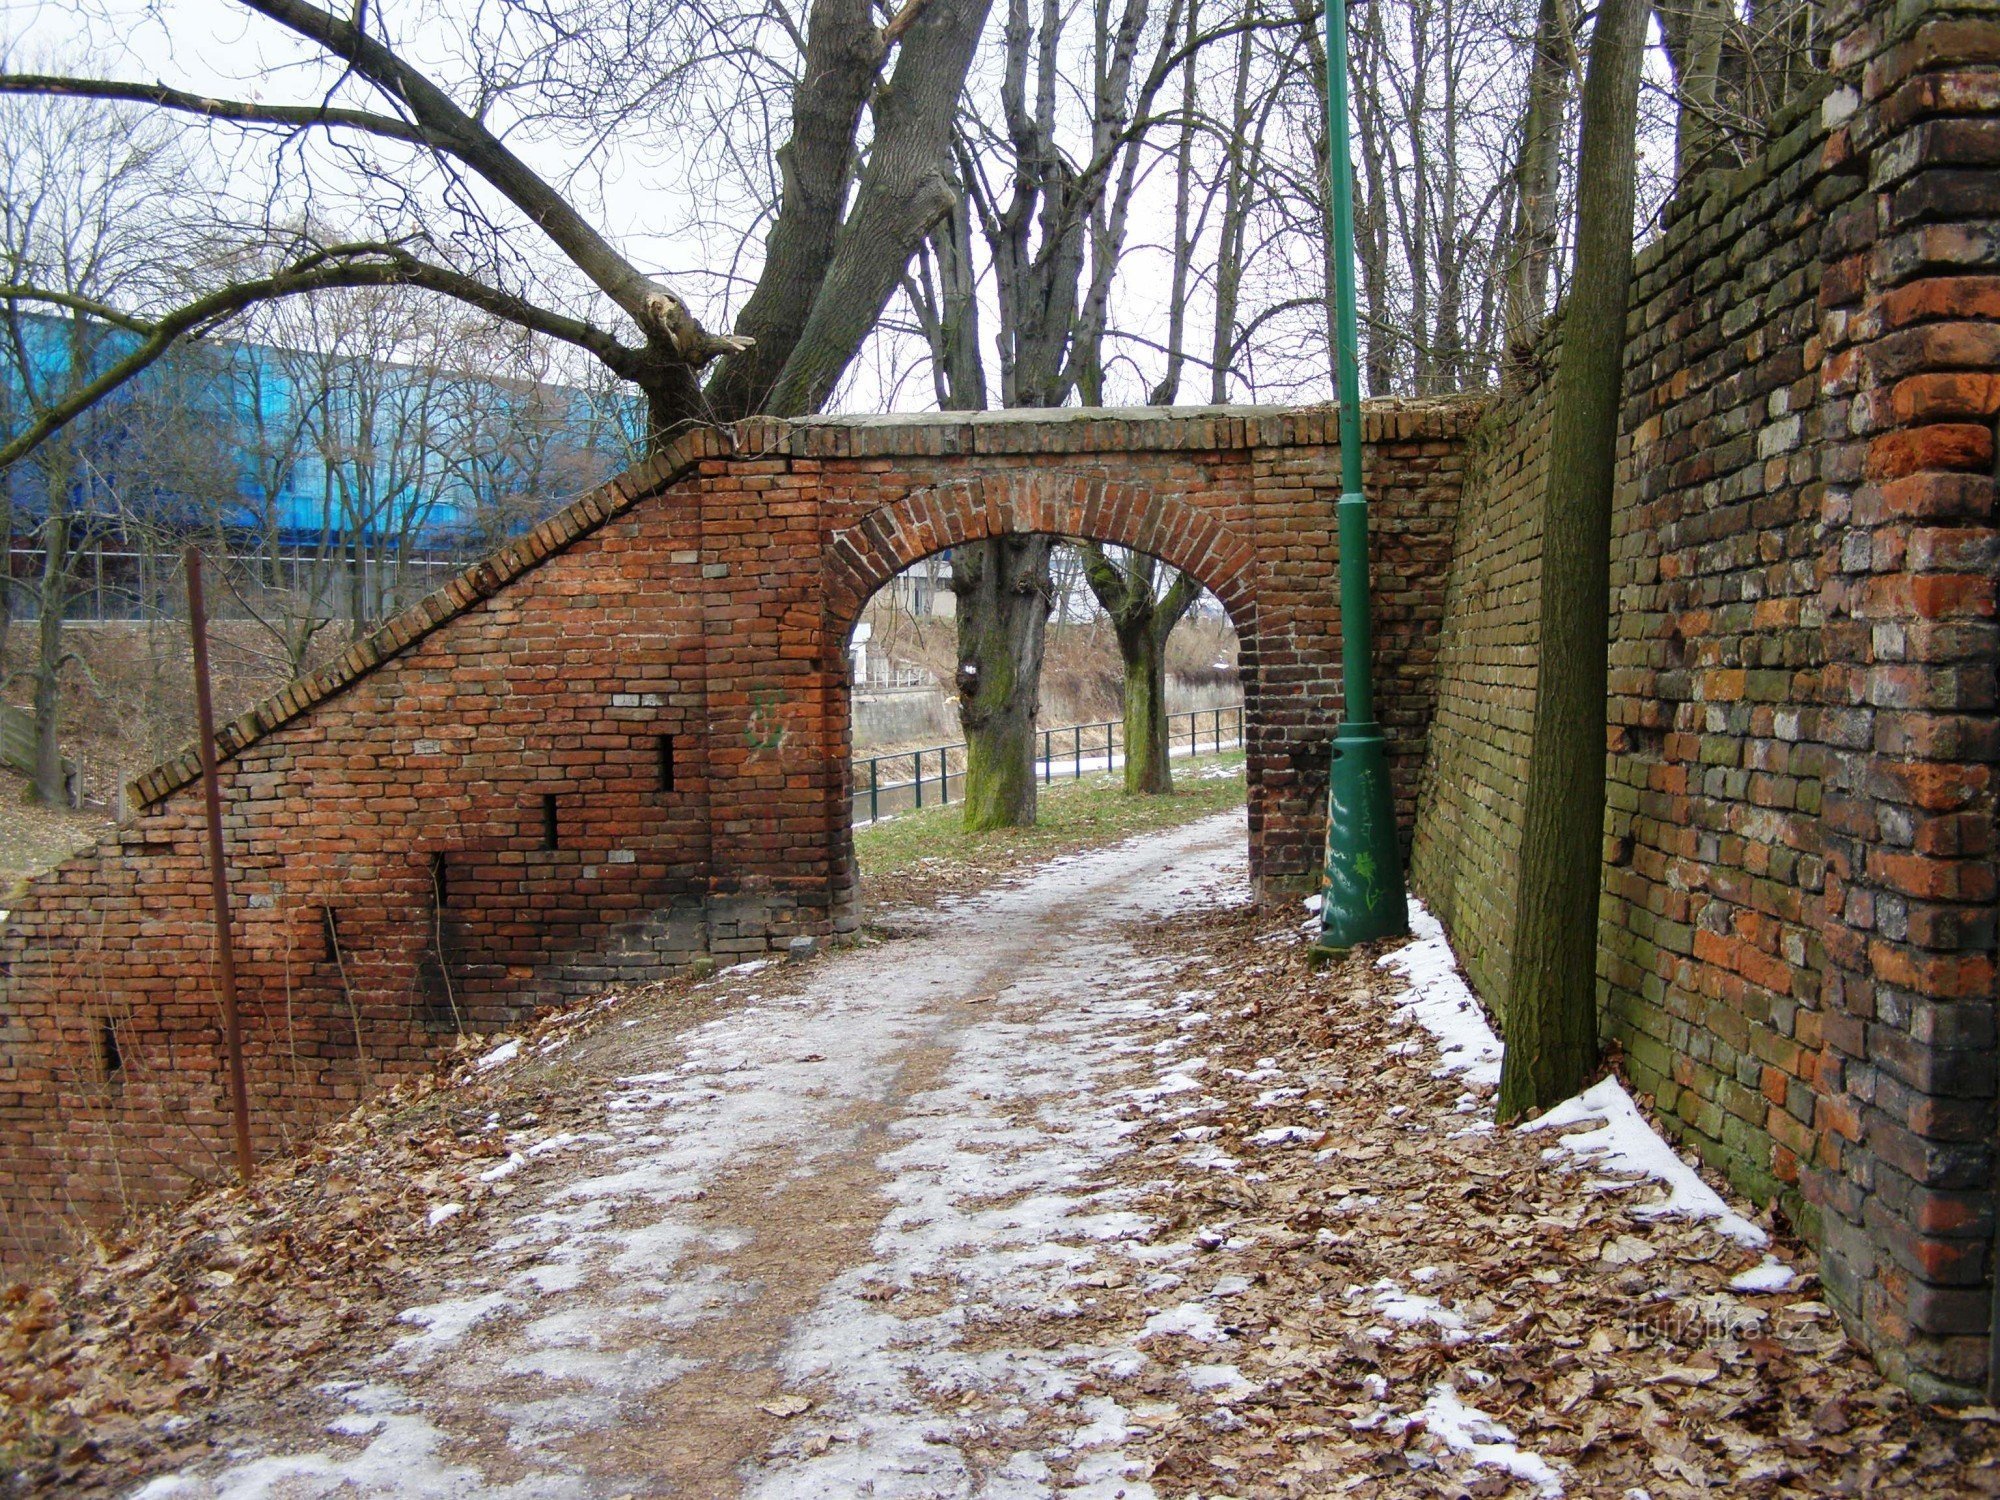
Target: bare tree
x=1054 y=228
x=1734 y=68
x=80 y=212
x=562 y=68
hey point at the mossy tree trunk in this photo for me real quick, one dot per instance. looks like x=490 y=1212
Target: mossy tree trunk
x=1142 y=617
x=1003 y=603
x=1552 y=990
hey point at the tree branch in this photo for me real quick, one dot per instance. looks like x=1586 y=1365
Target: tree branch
x=1180 y=595
x=233 y=110
x=446 y=127
x=88 y=306
x=336 y=266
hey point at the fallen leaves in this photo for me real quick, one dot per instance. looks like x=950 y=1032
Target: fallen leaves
x=121 y=1359
x=1404 y=1283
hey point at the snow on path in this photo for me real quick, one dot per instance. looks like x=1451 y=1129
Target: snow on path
x=968 y=1081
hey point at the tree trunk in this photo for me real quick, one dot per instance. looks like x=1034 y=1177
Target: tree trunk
x=1693 y=34
x=904 y=190
x=49 y=789
x=1238 y=194
x=1552 y=990
x=1169 y=387
x=7 y=577
x=357 y=585
x=1148 y=768
x=960 y=368
x=843 y=55
x=1141 y=619
x=1003 y=611
x=1537 y=180
x=6 y=570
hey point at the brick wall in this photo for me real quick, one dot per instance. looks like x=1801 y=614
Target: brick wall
x=1466 y=852
x=623 y=742
x=1798 y=907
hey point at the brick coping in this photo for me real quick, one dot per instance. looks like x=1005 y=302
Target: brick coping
x=928 y=434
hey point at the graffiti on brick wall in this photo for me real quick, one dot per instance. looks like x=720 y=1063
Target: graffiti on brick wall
x=765 y=733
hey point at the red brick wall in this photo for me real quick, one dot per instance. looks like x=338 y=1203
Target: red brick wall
x=706 y=599
x=1899 y=1166
x=1798 y=911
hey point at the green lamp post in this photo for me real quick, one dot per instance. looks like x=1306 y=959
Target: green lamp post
x=1361 y=891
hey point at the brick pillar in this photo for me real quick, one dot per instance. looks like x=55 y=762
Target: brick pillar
x=1902 y=1178
x=771 y=746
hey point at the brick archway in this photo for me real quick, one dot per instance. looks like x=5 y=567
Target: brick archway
x=621 y=742
x=1065 y=500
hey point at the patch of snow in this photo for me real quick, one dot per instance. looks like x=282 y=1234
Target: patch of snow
x=514 y=1162
x=447 y=1322
x=1466 y=1429
x=1228 y=1381
x=624 y=1371
x=401 y=1458
x=1623 y=1141
x=1772 y=1276
x=506 y=1052
x=1412 y=1310
x=443 y=1212
x=1441 y=1002
x=1190 y=1320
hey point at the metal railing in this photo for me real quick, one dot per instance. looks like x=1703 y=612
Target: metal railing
x=1075 y=748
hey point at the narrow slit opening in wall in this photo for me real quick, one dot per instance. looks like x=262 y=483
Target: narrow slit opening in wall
x=440 y=883
x=108 y=1055
x=329 y=925
x=666 y=749
x=551 y=830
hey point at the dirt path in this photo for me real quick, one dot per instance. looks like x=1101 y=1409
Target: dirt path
x=773 y=1263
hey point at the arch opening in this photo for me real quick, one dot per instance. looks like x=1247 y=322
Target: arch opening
x=895 y=566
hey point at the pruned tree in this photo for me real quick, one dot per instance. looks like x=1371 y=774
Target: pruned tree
x=1551 y=1015
x=1053 y=226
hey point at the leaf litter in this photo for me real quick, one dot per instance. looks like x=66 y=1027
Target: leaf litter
x=1290 y=1262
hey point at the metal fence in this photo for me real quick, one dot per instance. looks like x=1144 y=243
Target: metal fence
x=1068 y=751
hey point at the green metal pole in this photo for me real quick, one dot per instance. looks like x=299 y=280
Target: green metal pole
x=1361 y=889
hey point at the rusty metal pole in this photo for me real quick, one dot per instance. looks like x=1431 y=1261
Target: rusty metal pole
x=225 y=948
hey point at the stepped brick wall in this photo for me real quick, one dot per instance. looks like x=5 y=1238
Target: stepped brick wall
x=623 y=742
x=1799 y=888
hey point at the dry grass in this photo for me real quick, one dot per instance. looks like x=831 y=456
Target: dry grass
x=34 y=838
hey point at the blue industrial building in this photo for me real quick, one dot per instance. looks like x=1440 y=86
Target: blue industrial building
x=279 y=452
